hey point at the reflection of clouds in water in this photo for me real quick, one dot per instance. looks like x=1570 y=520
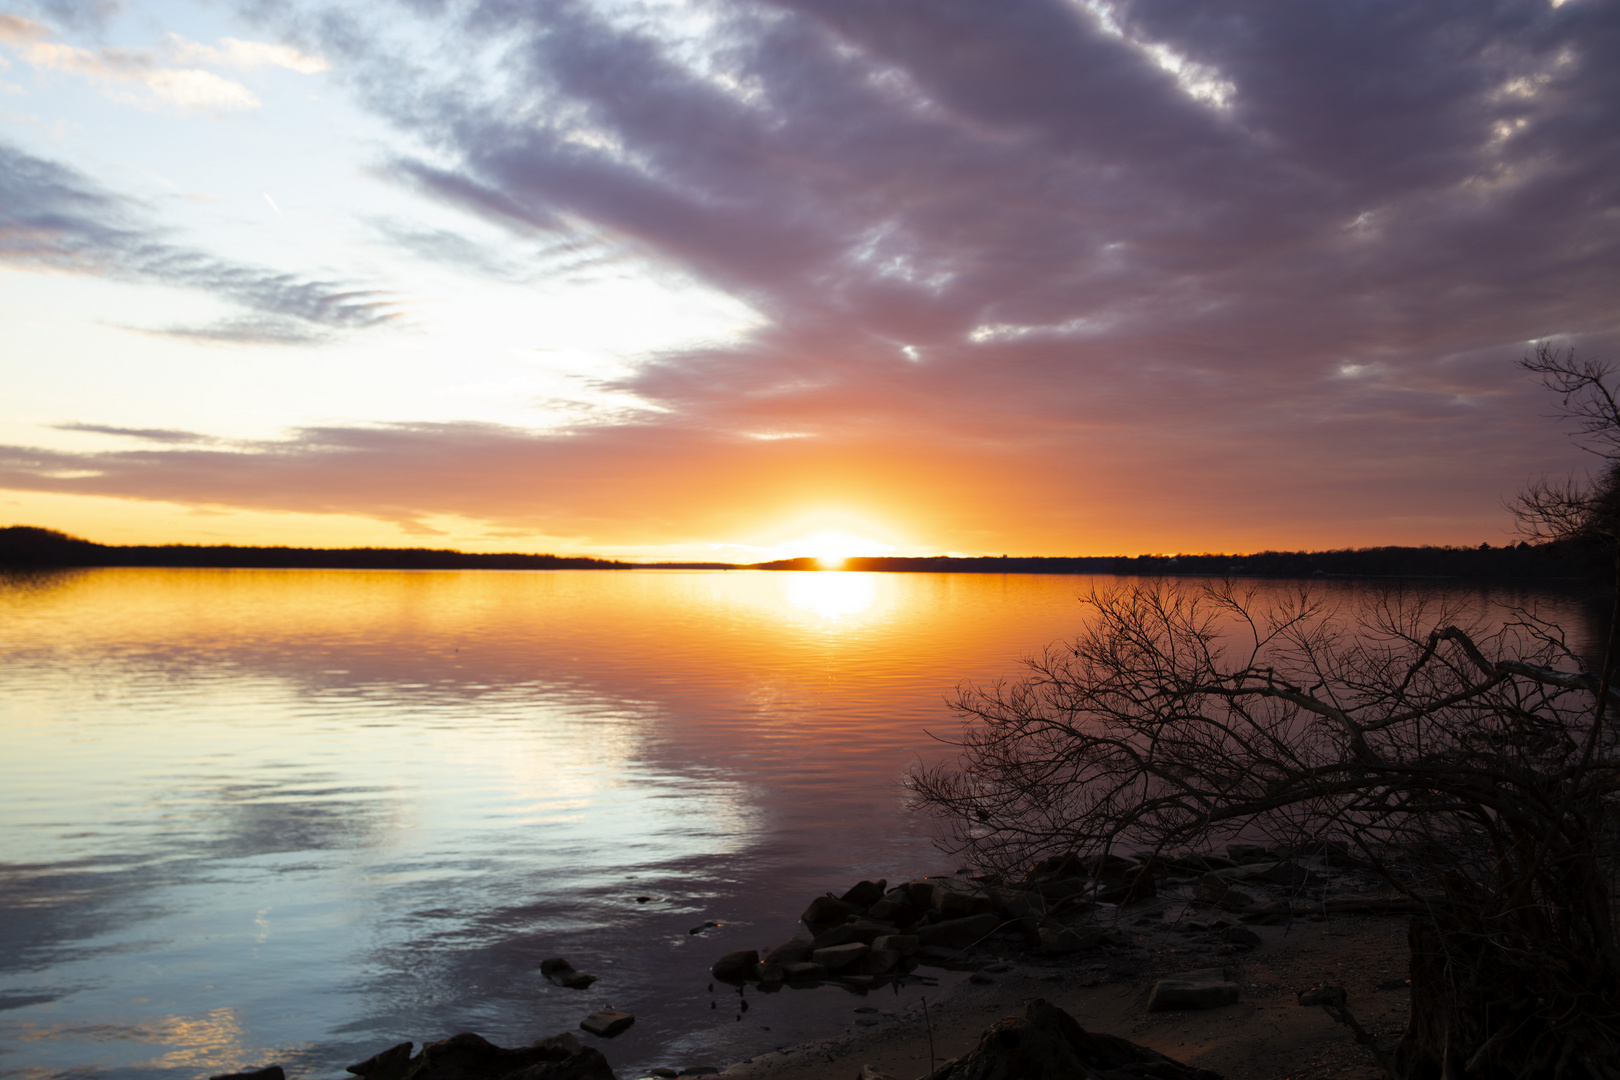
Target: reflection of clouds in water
x=833 y=595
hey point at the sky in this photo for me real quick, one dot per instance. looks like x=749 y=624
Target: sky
x=678 y=279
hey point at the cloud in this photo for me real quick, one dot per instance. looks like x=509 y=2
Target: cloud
x=55 y=218
x=1125 y=254
x=154 y=70
x=157 y=435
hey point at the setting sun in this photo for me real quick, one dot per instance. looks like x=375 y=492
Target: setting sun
x=830 y=548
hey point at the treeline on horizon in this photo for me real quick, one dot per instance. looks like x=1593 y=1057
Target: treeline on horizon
x=34 y=547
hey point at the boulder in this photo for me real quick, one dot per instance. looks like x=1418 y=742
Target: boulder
x=1206 y=989
x=898 y=912
x=794 y=952
x=1212 y=888
x=1134 y=889
x=390 y=1064
x=884 y=961
x=862 y=930
x=1247 y=853
x=827 y=911
x=1063 y=940
x=1061 y=888
x=953 y=899
x=1066 y=865
x=736 y=967
x=803 y=971
x=1016 y=903
x=562 y=973
x=269 y=1072
x=1047 y=1043
x=472 y=1057
x=865 y=893
x=958 y=933
x=769 y=973
x=607 y=1023
x=840 y=958
x=904 y=944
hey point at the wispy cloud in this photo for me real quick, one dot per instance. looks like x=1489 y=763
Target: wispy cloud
x=173 y=73
x=55 y=218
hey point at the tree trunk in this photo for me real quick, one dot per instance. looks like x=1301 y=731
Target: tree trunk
x=1483 y=1012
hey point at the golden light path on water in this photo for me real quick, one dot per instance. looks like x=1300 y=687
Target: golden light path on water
x=301 y=816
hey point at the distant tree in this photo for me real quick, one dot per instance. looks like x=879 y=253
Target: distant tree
x=1474 y=770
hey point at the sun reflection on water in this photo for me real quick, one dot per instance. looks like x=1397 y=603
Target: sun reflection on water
x=831 y=594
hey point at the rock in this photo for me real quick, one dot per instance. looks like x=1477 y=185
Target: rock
x=1212 y=888
x=769 y=973
x=1325 y=994
x=1016 y=903
x=1247 y=853
x=958 y=933
x=869 y=1073
x=1063 y=940
x=700 y=1070
x=862 y=930
x=1242 y=935
x=663 y=1073
x=269 y=1072
x=827 y=911
x=904 y=944
x=1047 y=1044
x=390 y=1064
x=1065 y=865
x=1060 y=888
x=794 y=952
x=735 y=967
x=607 y=1022
x=1137 y=887
x=562 y=973
x=803 y=971
x=1207 y=989
x=953 y=899
x=839 y=957
x=883 y=961
x=898 y=912
x=1113 y=866
x=472 y=1057
x=864 y=894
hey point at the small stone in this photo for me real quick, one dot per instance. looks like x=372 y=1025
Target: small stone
x=1207 y=989
x=643 y=899
x=705 y=926
x=1242 y=935
x=607 y=1023
x=1325 y=994
x=1063 y=940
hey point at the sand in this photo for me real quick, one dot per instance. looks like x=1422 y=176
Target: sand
x=1265 y=1036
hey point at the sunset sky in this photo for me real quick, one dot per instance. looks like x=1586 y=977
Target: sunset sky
x=734 y=280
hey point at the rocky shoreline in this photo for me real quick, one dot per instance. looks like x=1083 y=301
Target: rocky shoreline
x=1175 y=929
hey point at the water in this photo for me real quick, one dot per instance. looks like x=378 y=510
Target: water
x=291 y=816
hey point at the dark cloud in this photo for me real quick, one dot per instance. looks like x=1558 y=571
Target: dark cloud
x=55 y=218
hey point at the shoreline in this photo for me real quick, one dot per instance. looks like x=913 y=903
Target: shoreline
x=1266 y=1035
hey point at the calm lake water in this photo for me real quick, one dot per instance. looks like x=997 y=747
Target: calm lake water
x=297 y=817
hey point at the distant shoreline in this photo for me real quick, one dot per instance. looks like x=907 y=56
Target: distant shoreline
x=25 y=546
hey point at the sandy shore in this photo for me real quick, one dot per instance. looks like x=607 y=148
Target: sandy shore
x=1265 y=1036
